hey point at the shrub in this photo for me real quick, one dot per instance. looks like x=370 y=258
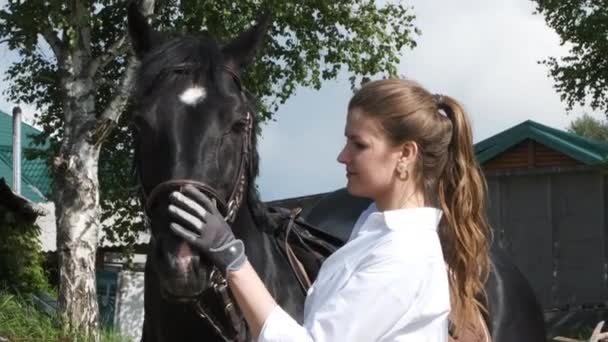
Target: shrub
x=20 y=255
x=20 y=320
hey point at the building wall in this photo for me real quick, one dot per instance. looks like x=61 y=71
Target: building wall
x=553 y=225
x=130 y=304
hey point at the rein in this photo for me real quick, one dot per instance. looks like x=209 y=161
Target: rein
x=229 y=208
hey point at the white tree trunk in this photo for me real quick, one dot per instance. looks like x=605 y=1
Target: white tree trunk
x=76 y=184
x=78 y=211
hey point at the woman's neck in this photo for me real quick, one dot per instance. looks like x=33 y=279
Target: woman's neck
x=400 y=199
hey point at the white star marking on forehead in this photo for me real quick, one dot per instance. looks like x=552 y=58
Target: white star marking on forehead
x=193 y=95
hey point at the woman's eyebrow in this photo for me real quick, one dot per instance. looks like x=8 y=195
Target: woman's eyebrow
x=352 y=135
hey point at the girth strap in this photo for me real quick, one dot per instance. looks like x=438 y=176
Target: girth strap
x=296 y=265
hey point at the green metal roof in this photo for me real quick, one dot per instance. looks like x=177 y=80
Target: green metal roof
x=586 y=151
x=36 y=179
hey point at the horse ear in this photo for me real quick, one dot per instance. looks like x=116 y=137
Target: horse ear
x=143 y=37
x=241 y=51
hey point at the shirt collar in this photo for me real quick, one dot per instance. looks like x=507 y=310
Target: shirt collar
x=403 y=219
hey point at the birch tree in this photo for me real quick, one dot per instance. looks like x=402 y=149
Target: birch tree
x=66 y=86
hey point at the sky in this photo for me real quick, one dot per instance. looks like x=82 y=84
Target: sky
x=483 y=53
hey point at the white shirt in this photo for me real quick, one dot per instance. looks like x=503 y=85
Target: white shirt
x=388 y=283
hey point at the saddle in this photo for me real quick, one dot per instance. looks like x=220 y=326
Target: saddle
x=306 y=247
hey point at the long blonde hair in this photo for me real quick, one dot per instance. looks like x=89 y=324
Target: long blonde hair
x=449 y=175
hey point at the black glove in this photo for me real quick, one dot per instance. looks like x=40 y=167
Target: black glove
x=196 y=220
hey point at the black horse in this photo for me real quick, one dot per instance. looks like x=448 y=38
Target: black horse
x=193 y=124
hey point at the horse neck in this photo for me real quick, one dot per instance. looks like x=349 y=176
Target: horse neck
x=268 y=261
x=260 y=246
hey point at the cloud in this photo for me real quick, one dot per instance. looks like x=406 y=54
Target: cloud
x=486 y=55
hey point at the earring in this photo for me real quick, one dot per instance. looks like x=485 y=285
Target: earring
x=403 y=172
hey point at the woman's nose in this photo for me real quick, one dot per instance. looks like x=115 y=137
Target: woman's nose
x=342 y=156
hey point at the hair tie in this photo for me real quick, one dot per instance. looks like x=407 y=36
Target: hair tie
x=438 y=98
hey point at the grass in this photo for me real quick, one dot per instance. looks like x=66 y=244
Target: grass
x=21 y=321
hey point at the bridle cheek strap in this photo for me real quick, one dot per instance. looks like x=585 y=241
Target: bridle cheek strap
x=230 y=208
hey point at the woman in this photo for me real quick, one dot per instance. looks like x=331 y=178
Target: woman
x=411 y=152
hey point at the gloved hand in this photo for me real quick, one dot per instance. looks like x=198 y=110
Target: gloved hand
x=196 y=220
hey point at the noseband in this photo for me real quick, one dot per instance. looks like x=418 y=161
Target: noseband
x=230 y=207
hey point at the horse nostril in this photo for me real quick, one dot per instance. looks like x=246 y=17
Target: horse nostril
x=184 y=250
x=184 y=257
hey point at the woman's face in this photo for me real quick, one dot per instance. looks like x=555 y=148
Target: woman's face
x=369 y=157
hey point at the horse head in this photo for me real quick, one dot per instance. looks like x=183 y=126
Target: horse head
x=192 y=125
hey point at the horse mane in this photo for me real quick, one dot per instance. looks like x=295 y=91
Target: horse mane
x=258 y=208
x=204 y=52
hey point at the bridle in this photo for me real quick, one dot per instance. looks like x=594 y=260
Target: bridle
x=229 y=209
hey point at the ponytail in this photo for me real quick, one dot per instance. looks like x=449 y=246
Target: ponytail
x=464 y=231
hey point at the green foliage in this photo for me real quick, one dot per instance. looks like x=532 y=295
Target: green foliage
x=581 y=77
x=20 y=255
x=20 y=320
x=309 y=42
x=590 y=128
